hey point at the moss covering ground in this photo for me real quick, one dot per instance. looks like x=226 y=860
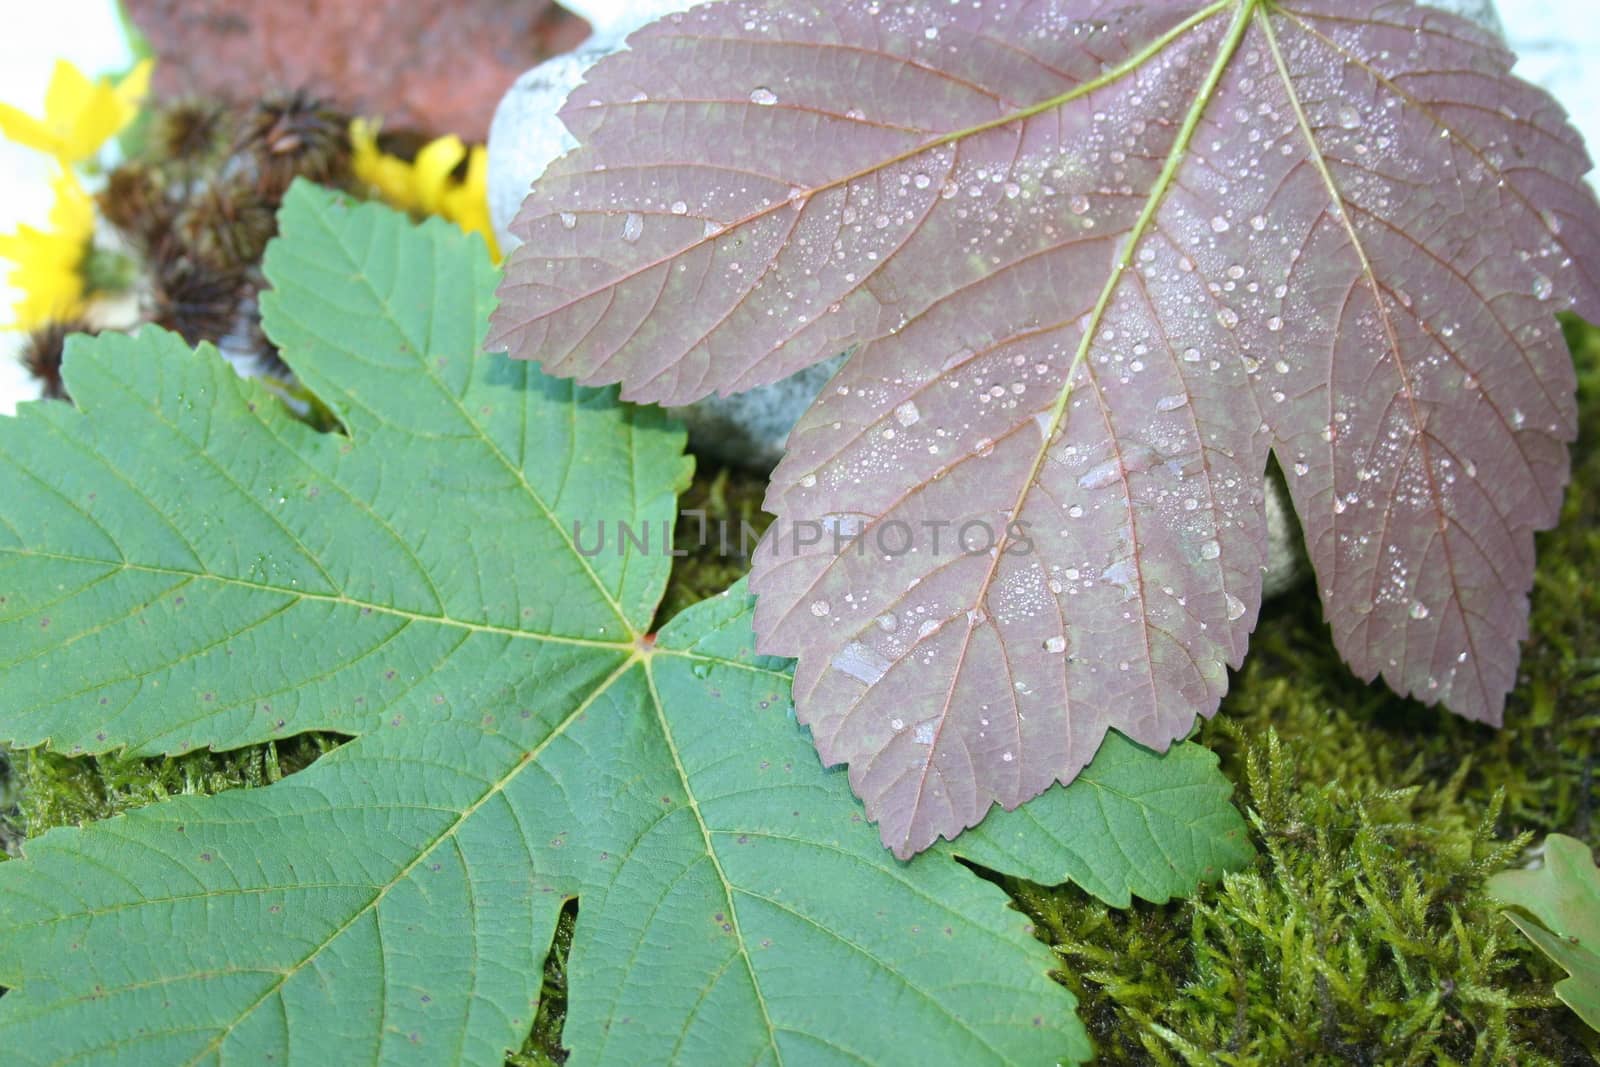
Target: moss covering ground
x=1361 y=935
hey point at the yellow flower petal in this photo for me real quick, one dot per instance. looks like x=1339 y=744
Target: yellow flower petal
x=467 y=204
x=24 y=129
x=73 y=212
x=79 y=115
x=434 y=165
x=477 y=180
x=46 y=274
x=69 y=95
x=386 y=175
x=131 y=90
x=427 y=186
x=48 y=269
x=110 y=109
x=363 y=141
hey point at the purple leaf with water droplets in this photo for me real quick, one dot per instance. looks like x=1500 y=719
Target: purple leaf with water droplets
x=1098 y=262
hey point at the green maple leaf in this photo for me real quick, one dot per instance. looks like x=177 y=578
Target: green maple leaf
x=183 y=564
x=1562 y=902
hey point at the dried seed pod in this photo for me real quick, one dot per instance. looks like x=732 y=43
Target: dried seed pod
x=295 y=135
x=196 y=300
x=191 y=130
x=42 y=352
x=135 y=202
x=226 y=225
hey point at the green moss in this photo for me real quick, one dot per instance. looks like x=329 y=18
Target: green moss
x=1363 y=934
x=543 y=1046
x=43 y=790
x=719 y=522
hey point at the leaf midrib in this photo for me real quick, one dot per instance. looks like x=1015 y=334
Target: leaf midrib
x=728 y=888
x=640 y=656
x=504 y=631
x=1407 y=388
x=1176 y=156
x=495 y=789
x=331 y=598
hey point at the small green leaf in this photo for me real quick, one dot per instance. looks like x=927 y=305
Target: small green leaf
x=1562 y=899
x=1132 y=824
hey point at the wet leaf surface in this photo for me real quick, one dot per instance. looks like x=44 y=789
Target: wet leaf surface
x=1097 y=262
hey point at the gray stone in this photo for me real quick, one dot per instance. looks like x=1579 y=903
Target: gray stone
x=525 y=135
x=1286 y=553
x=749 y=429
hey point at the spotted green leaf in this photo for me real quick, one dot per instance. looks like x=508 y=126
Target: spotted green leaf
x=182 y=564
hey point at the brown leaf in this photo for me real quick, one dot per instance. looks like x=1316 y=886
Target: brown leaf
x=441 y=68
x=1095 y=262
